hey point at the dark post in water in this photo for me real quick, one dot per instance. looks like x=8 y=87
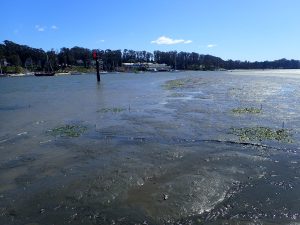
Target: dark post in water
x=95 y=57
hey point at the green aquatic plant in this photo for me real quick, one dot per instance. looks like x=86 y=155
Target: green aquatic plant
x=68 y=131
x=250 y=110
x=262 y=134
x=176 y=95
x=183 y=83
x=172 y=84
x=113 y=110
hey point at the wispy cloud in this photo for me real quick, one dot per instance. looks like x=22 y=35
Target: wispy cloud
x=163 y=40
x=54 y=27
x=211 y=45
x=187 y=42
x=40 y=28
x=100 y=41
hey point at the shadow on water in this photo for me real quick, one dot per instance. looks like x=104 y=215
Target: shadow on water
x=141 y=149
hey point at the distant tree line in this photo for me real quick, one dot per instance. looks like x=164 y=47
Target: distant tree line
x=22 y=56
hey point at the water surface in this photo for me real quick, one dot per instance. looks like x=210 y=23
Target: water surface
x=150 y=153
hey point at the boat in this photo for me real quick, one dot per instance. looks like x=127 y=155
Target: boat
x=66 y=73
x=41 y=74
x=49 y=71
x=17 y=75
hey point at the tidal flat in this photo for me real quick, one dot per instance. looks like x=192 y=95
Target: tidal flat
x=152 y=148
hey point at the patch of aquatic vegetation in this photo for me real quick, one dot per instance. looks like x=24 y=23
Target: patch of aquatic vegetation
x=113 y=110
x=262 y=134
x=250 y=110
x=68 y=131
x=177 y=95
x=183 y=83
x=172 y=84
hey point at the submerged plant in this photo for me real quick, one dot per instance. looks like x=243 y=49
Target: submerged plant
x=68 y=131
x=262 y=134
x=172 y=84
x=251 y=110
x=113 y=110
x=183 y=83
x=176 y=95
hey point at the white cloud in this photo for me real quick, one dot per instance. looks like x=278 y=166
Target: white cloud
x=187 y=42
x=211 y=45
x=40 y=28
x=54 y=27
x=163 y=40
x=100 y=41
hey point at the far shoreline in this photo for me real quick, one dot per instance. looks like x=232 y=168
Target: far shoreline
x=257 y=72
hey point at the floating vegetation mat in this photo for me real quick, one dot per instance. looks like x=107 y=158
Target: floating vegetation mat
x=251 y=110
x=183 y=83
x=68 y=131
x=113 y=110
x=262 y=134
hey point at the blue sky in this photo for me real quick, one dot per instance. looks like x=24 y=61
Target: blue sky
x=231 y=29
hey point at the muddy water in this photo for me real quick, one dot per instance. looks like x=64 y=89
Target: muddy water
x=150 y=152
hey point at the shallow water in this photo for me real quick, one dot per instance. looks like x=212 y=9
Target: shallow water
x=149 y=153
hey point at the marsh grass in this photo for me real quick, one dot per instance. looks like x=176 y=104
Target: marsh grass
x=68 y=131
x=262 y=134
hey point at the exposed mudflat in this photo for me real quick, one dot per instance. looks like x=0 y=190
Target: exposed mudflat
x=153 y=148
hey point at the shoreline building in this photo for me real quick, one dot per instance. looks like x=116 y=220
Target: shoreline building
x=154 y=67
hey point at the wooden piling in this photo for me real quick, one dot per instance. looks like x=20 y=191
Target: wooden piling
x=98 y=72
x=96 y=58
